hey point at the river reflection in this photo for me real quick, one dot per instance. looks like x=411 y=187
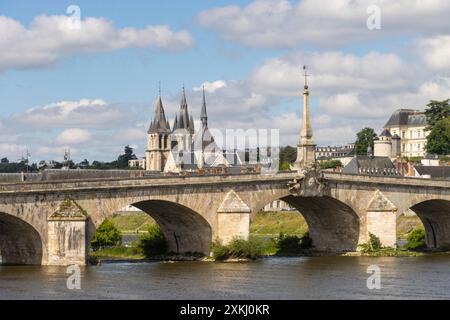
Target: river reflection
x=272 y=278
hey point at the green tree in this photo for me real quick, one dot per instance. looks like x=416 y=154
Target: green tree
x=288 y=155
x=436 y=111
x=374 y=244
x=364 y=139
x=84 y=164
x=438 y=141
x=330 y=164
x=153 y=243
x=107 y=235
x=122 y=161
x=416 y=239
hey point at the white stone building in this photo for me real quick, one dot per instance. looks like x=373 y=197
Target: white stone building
x=410 y=125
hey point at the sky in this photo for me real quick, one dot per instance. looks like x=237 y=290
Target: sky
x=90 y=84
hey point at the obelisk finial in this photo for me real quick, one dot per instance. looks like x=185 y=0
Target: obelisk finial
x=306 y=77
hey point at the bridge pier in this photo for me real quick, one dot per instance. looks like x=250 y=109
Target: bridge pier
x=233 y=219
x=67 y=235
x=381 y=219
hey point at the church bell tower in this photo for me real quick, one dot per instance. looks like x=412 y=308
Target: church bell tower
x=159 y=140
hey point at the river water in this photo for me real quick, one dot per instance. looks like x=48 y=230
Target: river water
x=271 y=278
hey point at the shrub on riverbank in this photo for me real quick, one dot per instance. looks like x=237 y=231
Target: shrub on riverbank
x=238 y=249
x=374 y=244
x=287 y=244
x=416 y=240
x=107 y=235
x=373 y=248
x=153 y=243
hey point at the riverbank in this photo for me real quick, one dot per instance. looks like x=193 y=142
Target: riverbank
x=265 y=232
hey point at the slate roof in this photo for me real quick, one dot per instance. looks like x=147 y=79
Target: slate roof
x=386 y=133
x=370 y=165
x=204 y=115
x=159 y=124
x=183 y=119
x=442 y=172
x=403 y=117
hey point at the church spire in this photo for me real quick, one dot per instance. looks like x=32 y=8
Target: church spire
x=183 y=119
x=175 y=123
x=191 y=124
x=159 y=123
x=204 y=115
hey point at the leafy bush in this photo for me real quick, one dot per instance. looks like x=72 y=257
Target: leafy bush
x=220 y=251
x=107 y=235
x=330 y=164
x=306 y=242
x=416 y=239
x=238 y=249
x=288 y=244
x=293 y=244
x=153 y=243
x=374 y=244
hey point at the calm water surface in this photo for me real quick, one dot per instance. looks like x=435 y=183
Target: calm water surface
x=273 y=278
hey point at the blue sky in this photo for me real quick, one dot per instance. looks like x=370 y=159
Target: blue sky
x=94 y=91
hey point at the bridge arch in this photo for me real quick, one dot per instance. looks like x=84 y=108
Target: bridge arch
x=185 y=229
x=20 y=242
x=333 y=225
x=435 y=217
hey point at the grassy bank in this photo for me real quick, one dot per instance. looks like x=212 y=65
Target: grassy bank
x=271 y=233
x=406 y=224
x=274 y=223
x=132 y=222
x=119 y=252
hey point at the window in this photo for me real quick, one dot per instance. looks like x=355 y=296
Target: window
x=403 y=134
x=403 y=147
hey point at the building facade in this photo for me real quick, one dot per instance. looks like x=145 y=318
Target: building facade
x=344 y=154
x=410 y=125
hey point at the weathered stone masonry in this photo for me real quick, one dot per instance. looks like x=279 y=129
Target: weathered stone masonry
x=39 y=226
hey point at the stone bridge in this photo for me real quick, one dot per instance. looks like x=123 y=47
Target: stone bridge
x=52 y=223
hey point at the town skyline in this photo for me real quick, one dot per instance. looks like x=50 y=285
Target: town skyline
x=95 y=97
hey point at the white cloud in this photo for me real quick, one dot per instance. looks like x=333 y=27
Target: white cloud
x=86 y=113
x=50 y=38
x=73 y=136
x=283 y=23
x=8 y=149
x=332 y=72
x=211 y=86
x=435 y=52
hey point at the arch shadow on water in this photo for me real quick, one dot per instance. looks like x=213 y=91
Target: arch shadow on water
x=20 y=243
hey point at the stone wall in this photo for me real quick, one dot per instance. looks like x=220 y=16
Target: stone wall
x=193 y=211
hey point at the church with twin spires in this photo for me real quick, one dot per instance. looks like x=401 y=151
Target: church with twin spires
x=182 y=148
